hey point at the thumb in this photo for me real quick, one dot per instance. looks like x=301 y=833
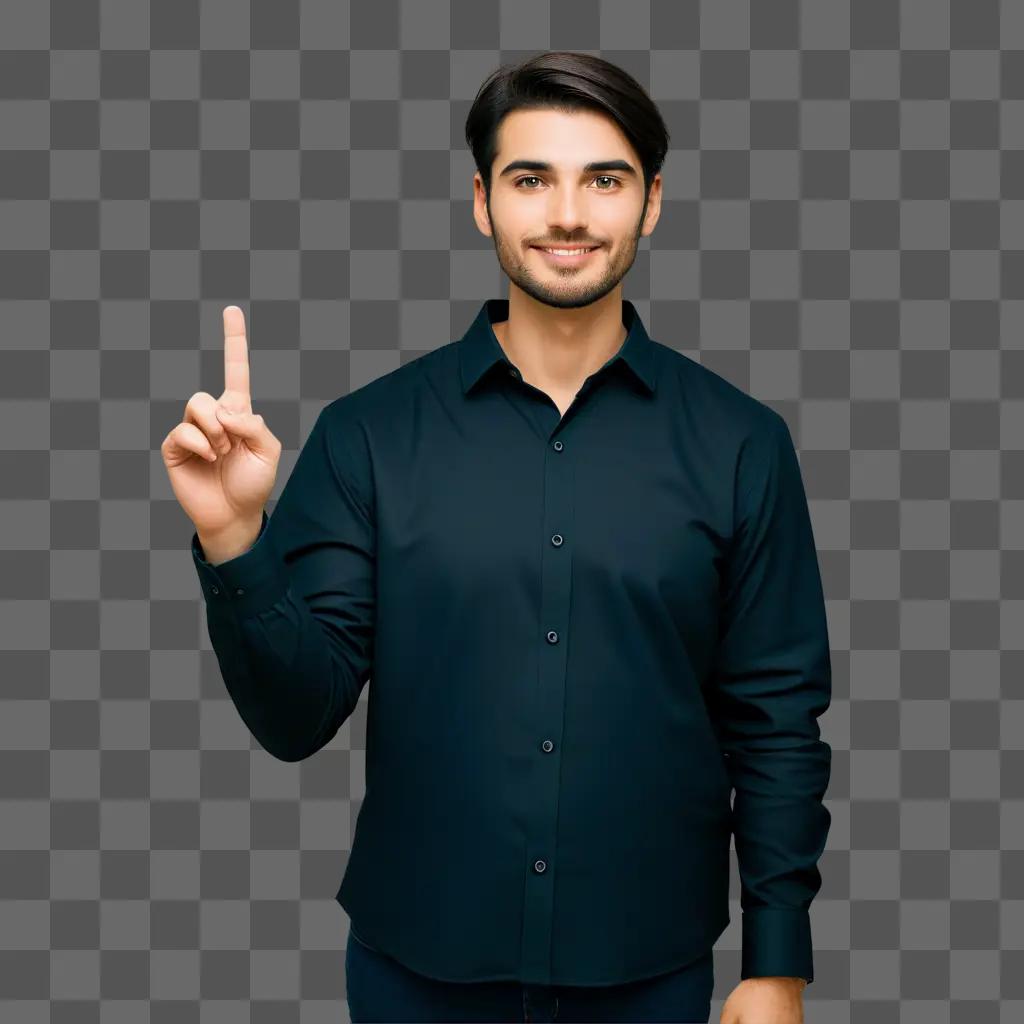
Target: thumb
x=247 y=425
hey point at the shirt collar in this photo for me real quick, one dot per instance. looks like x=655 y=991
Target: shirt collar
x=479 y=348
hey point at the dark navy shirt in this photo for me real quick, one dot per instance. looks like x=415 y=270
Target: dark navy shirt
x=596 y=649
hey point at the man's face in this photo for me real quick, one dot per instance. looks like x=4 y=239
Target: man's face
x=565 y=205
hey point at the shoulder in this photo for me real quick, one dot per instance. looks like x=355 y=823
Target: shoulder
x=730 y=416
x=378 y=401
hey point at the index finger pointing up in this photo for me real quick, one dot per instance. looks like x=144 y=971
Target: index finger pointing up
x=236 y=356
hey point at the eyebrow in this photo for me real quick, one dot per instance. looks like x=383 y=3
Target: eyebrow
x=591 y=168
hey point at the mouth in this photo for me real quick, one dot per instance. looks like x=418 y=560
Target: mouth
x=566 y=256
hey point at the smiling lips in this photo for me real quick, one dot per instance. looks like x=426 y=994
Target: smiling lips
x=570 y=249
x=559 y=254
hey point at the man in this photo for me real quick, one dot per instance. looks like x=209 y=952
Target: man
x=580 y=571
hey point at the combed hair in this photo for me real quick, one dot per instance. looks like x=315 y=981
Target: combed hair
x=567 y=81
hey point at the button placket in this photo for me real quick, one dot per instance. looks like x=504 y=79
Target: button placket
x=547 y=711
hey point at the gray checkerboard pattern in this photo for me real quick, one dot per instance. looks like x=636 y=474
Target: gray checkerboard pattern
x=842 y=235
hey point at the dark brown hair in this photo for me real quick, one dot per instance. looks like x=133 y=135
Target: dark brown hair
x=564 y=80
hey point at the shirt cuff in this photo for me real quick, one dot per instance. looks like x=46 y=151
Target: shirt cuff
x=245 y=585
x=777 y=943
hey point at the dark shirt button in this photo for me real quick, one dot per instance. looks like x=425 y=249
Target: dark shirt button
x=558 y=446
x=557 y=540
x=540 y=866
x=552 y=637
x=547 y=746
x=214 y=590
x=513 y=372
x=239 y=591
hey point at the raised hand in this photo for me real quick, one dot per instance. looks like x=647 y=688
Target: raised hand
x=222 y=458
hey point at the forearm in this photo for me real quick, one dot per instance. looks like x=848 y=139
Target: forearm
x=292 y=677
x=781 y=825
x=291 y=692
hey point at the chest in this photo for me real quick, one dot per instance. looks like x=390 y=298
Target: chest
x=614 y=504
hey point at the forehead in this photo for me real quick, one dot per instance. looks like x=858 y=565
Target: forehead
x=566 y=138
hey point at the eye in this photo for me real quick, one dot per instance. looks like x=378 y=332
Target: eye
x=600 y=177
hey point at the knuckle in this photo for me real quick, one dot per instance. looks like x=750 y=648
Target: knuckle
x=198 y=405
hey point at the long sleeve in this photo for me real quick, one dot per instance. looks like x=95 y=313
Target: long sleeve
x=772 y=681
x=291 y=620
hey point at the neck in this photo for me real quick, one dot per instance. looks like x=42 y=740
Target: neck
x=559 y=348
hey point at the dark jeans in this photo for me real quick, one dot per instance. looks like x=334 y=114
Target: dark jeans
x=381 y=989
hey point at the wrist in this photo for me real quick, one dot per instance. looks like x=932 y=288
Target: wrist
x=230 y=542
x=798 y=983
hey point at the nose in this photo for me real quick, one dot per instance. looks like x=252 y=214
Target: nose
x=567 y=213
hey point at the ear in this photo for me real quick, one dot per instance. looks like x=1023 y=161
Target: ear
x=480 y=214
x=653 y=206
